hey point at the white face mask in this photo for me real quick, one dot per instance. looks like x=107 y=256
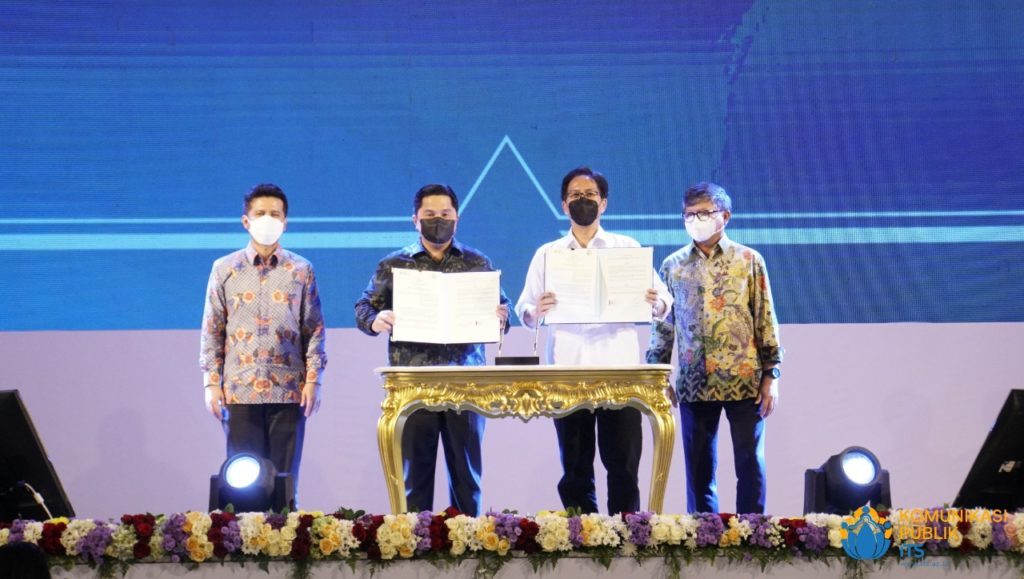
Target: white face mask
x=702 y=231
x=266 y=230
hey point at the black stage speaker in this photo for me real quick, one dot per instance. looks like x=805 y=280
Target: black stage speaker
x=28 y=484
x=996 y=480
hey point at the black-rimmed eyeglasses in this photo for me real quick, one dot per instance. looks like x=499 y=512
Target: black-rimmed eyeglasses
x=700 y=215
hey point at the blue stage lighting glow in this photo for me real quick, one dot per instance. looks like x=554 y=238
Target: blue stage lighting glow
x=242 y=471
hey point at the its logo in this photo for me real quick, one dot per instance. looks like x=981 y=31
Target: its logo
x=865 y=535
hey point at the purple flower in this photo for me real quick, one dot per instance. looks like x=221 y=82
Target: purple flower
x=422 y=530
x=760 y=530
x=277 y=521
x=709 y=529
x=92 y=546
x=232 y=536
x=813 y=538
x=639 y=525
x=575 y=531
x=506 y=526
x=17 y=533
x=1000 y=541
x=174 y=536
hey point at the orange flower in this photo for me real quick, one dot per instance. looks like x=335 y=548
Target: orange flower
x=240 y=334
x=246 y=359
x=746 y=370
x=718 y=303
x=278 y=296
x=261 y=385
x=248 y=297
x=215 y=378
x=711 y=365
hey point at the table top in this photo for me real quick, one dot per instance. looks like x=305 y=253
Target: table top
x=526 y=370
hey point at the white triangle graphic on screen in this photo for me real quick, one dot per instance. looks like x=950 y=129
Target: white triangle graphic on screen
x=507 y=143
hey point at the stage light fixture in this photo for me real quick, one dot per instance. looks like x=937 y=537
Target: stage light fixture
x=848 y=480
x=242 y=471
x=250 y=483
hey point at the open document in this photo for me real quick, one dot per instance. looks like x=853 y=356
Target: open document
x=598 y=286
x=446 y=308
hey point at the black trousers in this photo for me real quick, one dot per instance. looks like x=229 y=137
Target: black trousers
x=272 y=431
x=700 y=442
x=619 y=439
x=460 y=434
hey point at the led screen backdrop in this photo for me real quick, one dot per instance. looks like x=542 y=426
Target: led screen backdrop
x=872 y=148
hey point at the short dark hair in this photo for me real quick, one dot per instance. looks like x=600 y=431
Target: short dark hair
x=707 y=191
x=22 y=559
x=265 y=190
x=584 y=171
x=431 y=190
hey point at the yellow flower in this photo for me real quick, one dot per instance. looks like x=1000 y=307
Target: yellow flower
x=328 y=545
x=490 y=541
x=730 y=538
x=503 y=547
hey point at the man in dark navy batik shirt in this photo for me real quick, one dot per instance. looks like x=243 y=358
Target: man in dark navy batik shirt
x=436 y=218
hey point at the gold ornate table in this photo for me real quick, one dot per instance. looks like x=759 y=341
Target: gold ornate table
x=523 y=392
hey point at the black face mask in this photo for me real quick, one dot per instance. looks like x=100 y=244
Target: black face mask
x=583 y=211
x=437 y=230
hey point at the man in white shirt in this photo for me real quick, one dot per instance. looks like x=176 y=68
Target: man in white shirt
x=584 y=200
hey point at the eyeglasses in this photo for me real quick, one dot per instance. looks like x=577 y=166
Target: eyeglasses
x=700 y=215
x=577 y=195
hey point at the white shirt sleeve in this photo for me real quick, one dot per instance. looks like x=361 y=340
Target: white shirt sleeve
x=532 y=290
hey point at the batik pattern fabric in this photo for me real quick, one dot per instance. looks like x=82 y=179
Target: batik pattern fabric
x=723 y=322
x=378 y=297
x=263 y=329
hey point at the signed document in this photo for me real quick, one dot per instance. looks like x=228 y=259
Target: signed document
x=599 y=286
x=432 y=307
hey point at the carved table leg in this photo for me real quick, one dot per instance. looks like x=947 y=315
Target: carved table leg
x=389 y=443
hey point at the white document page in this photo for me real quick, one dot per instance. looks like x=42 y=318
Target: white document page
x=432 y=307
x=598 y=286
x=572 y=275
x=626 y=276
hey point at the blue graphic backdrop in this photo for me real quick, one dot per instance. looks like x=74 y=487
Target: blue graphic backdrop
x=872 y=148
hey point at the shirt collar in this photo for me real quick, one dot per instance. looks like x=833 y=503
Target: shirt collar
x=600 y=240
x=414 y=249
x=723 y=244
x=254 y=258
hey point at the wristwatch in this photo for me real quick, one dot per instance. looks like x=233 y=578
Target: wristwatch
x=775 y=373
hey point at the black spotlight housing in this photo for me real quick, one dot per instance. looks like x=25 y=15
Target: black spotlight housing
x=263 y=488
x=848 y=480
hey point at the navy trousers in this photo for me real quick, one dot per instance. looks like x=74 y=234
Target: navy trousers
x=619 y=439
x=272 y=431
x=700 y=442
x=460 y=434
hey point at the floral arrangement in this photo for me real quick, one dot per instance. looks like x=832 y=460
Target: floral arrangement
x=449 y=537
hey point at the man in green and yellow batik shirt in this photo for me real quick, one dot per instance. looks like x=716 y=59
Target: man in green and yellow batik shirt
x=724 y=324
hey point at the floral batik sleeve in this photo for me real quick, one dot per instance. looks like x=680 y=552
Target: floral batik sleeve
x=213 y=331
x=766 y=324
